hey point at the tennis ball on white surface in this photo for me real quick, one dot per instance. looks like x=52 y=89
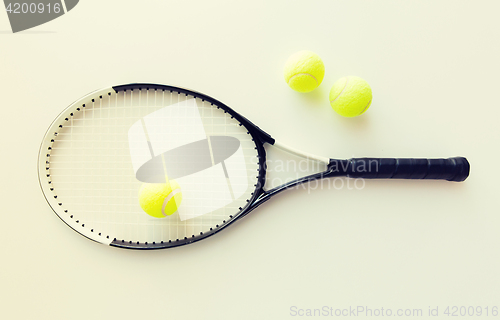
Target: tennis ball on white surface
x=304 y=71
x=350 y=96
x=160 y=199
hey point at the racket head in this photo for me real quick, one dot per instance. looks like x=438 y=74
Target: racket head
x=88 y=176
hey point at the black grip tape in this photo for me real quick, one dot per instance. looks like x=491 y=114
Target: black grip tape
x=451 y=169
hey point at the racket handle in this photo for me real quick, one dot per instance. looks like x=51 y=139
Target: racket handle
x=451 y=169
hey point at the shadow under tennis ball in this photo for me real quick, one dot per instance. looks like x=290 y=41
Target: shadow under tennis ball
x=24 y=16
x=317 y=97
x=360 y=126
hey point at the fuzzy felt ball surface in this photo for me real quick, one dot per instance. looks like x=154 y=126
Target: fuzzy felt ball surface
x=304 y=71
x=350 y=96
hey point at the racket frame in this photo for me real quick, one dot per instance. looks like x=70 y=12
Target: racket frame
x=259 y=137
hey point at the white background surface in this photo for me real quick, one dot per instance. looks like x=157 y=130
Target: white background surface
x=433 y=67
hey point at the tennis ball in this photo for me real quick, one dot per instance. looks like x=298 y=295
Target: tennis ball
x=304 y=71
x=160 y=199
x=350 y=96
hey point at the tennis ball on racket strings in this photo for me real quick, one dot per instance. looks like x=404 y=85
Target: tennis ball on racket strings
x=160 y=199
x=304 y=71
x=350 y=96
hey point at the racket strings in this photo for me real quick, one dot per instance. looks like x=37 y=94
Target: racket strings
x=89 y=172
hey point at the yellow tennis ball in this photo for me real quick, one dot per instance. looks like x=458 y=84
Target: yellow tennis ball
x=160 y=199
x=350 y=96
x=304 y=71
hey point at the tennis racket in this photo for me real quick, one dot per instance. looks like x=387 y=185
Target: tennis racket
x=100 y=151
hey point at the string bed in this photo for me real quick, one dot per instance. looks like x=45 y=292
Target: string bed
x=90 y=180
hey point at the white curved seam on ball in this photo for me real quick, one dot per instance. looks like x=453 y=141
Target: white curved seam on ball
x=345 y=86
x=369 y=102
x=167 y=199
x=307 y=74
